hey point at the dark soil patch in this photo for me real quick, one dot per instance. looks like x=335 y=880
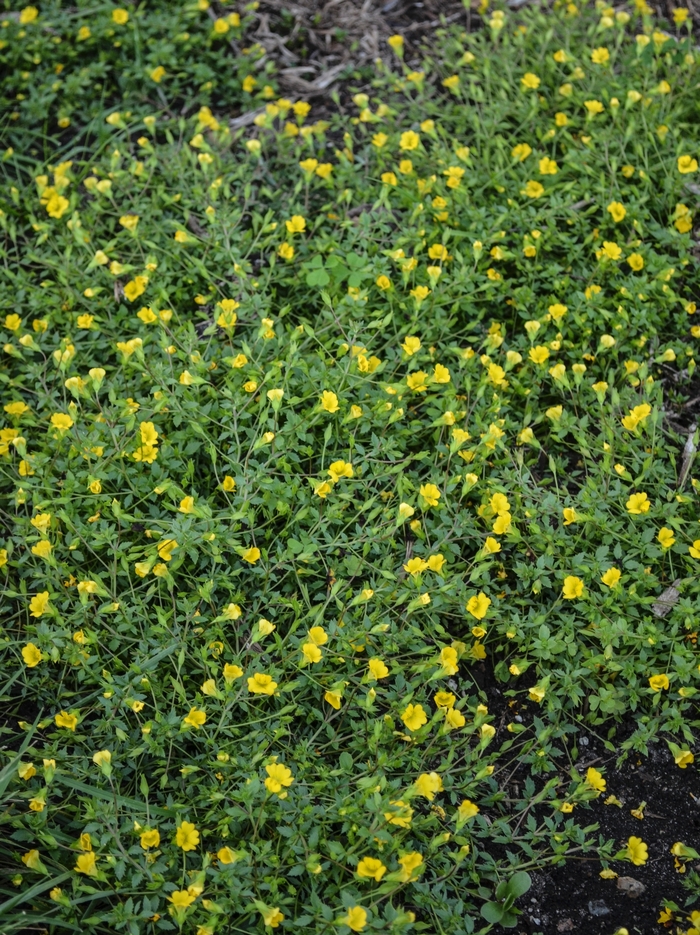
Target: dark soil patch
x=596 y=906
x=572 y=897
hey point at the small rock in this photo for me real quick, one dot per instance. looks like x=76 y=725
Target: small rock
x=597 y=907
x=584 y=741
x=667 y=600
x=630 y=887
x=566 y=925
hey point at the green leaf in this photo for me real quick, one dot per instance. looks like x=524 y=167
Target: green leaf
x=492 y=912
x=519 y=884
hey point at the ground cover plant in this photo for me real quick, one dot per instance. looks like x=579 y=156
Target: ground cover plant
x=314 y=429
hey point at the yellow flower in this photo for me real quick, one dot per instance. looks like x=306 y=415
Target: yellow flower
x=537 y=693
x=377 y=669
x=278 y=776
x=318 y=636
x=478 y=605
x=444 y=699
x=135 y=287
x=187 y=836
x=232 y=672
x=16 y=409
x=548 y=166
x=600 y=56
x=595 y=779
x=638 y=503
x=384 y=283
x=340 y=469
x=64 y=719
x=521 y=152
x=296 y=224
x=441 y=374
x=32 y=860
x=181 y=899
x=492 y=546
x=26 y=771
x=529 y=81
x=414 y=717
x=611 y=250
x=409 y=864
x=694 y=549
x=311 y=652
x=396 y=42
x=659 y=683
x=226 y=855
x=502 y=524
x=39 y=603
x=261 y=684
x=430 y=494
x=272 y=917
x=454 y=719
x=467 y=810
x=166 y=547
x=415 y=566
x=637 y=416
x=411 y=345
x=593 y=107
x=617 y=211
x=356 y=918
x=409 y=140
x=61 y=421
x=86 y=863
x=683 y=758
x=371 y=868
x=533 y=189
x=637 y=852
x=539 y=354
x=186 y=505
x=28 y=15
x=611 y=577
x=666 y=537
x=120 y=17
x=402 y=817
x=428 y=784
x=635 y=261
x=309 y=165
x=150 y=838
x=329 y=401
x=57 y=205
x=420 y=293
x=31 y=655
x=129 y=221
x=417 y=381
x=333 y=698
x=196 y=718
x=448 y=660
x=687 y=164
x=569 y=515
x=251 y=555
x=572 y=588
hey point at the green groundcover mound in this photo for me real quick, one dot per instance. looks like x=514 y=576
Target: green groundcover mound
x=312 y=426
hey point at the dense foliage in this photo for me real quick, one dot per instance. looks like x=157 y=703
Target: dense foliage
x=309 y=429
